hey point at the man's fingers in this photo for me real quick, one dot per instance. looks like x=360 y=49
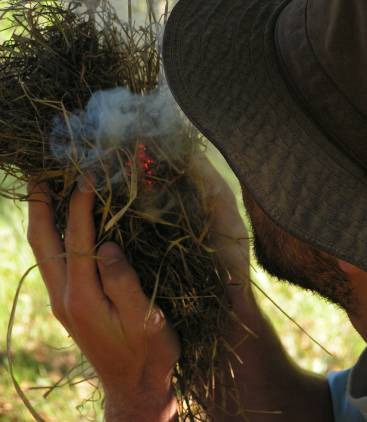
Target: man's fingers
x=122 y=285
x=83 y=285
x=46 y=243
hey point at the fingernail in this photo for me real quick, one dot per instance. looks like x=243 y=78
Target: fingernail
x=113 y=259
x=86 y=183
x=34 y=188
x=30 y=187
x=110 y=253
x=155 y=320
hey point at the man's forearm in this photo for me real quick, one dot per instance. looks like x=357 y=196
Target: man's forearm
x=267 y=385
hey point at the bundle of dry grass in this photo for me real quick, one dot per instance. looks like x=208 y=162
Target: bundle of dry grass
x=62 y=78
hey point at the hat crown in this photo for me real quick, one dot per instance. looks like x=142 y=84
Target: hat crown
x=337 y=31
x=322 y=46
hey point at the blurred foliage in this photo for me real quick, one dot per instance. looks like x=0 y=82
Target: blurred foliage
x=4 y=31
x=41 y=349
x=43 y=353
x=326 y=323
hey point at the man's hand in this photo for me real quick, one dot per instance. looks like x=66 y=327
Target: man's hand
x=100 y=302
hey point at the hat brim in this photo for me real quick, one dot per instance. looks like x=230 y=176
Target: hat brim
x=222 y=67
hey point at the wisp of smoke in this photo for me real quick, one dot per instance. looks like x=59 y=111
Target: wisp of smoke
x=111 y=119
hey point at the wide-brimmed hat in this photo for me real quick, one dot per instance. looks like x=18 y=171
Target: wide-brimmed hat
x=280 y=87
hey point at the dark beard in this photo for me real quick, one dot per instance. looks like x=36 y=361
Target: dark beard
x=313 y=270
x=290 y=259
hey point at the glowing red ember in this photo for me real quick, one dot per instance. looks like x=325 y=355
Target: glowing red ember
x=146 y=164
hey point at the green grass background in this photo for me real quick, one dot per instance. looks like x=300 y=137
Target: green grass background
x=43 y=353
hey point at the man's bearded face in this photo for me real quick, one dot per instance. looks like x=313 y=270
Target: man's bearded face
x=290 y=259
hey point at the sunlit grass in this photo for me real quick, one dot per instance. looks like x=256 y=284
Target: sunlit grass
x=42 y=351
x=323 y=321
x=5 y=32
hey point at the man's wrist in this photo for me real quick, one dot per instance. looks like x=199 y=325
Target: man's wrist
x=151 y=406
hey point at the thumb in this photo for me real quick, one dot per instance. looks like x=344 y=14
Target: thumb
x=121 y=284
